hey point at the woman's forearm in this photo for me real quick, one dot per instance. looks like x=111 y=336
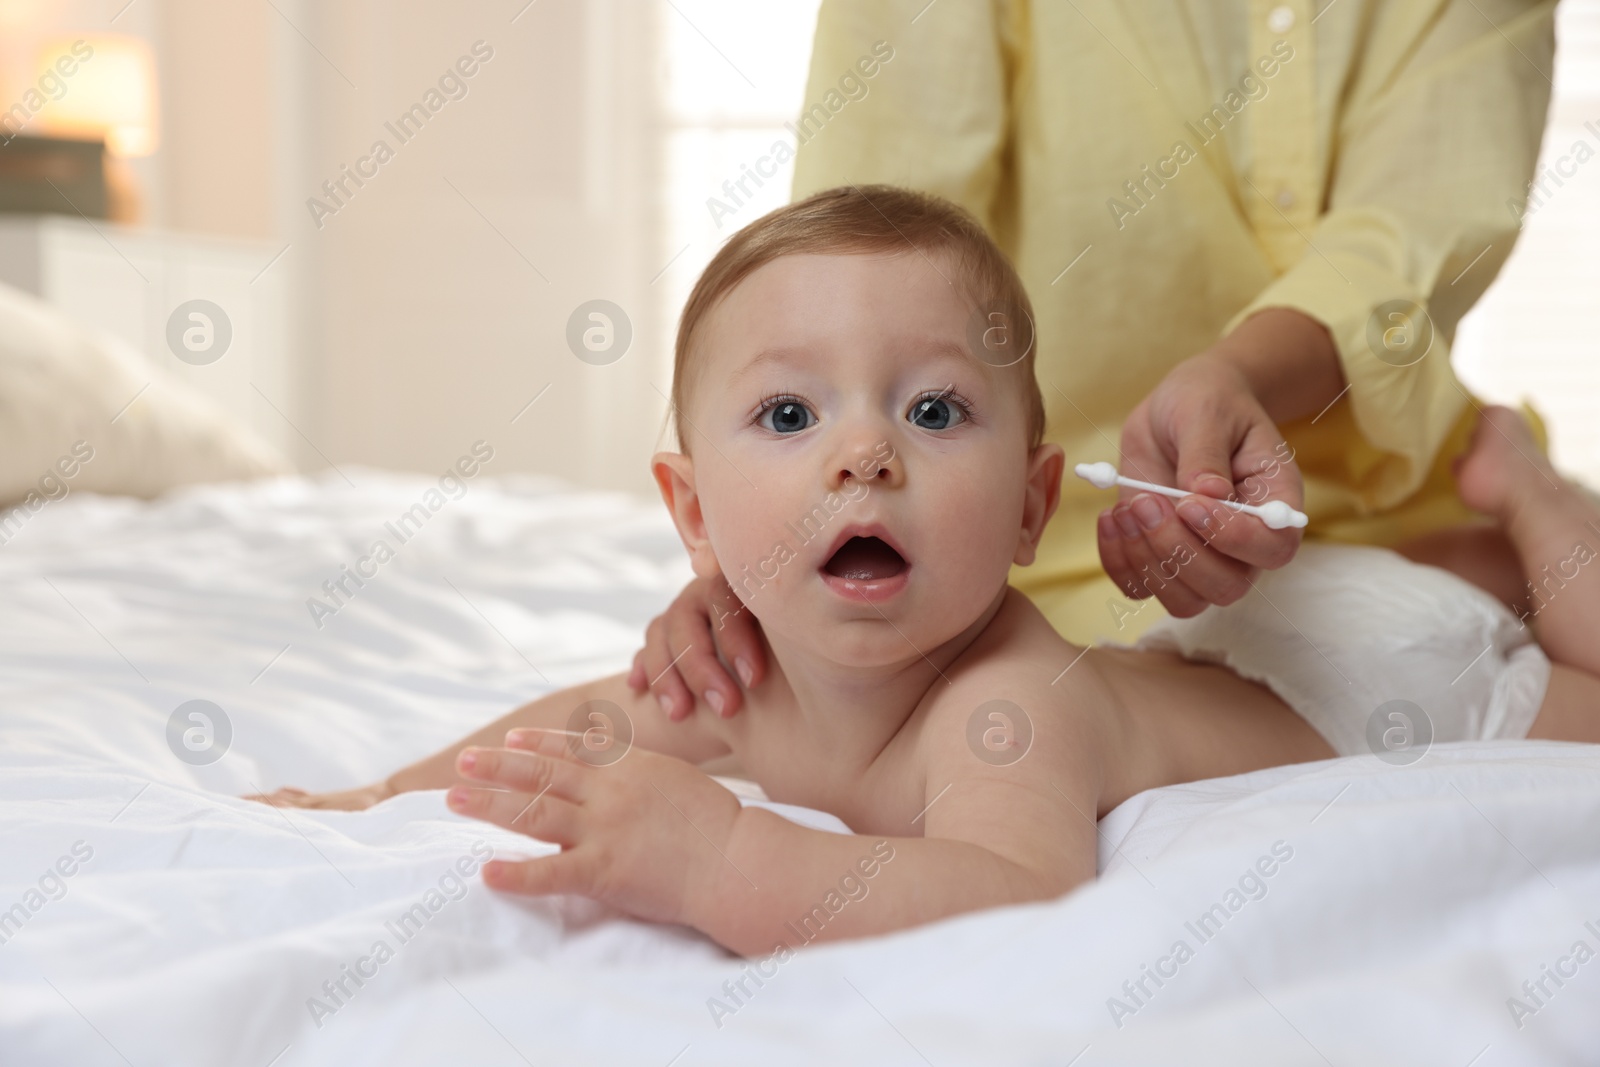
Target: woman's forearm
x=1288 y=358
x=787 y=885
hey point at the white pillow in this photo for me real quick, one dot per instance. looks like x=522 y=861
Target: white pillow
x=60 y=388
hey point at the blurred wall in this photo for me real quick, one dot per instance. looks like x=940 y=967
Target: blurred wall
x=441 y=290
x=219 y=102
x=431 y=301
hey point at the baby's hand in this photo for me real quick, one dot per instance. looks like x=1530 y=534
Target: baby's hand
x=344 y=800
x=647 y=834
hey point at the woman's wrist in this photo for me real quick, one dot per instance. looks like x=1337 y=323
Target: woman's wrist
x=1289 y=360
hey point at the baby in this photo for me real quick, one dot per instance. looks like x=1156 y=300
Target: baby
x=860 y=456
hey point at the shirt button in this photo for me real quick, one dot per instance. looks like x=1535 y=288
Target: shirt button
x=1285 y=198
x=1281 y=19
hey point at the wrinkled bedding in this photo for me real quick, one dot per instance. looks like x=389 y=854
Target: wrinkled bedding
x=1344 y=912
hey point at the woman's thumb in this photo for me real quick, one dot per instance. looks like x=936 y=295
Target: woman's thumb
x=1205 y=462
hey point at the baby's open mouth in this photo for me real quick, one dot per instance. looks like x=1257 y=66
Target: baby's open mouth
x=865 y=559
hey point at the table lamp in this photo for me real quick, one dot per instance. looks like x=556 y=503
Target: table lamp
x=109 y=95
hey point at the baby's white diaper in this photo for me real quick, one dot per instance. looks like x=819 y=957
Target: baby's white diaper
x=1356 y=638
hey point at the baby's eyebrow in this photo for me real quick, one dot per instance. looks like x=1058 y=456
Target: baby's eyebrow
x=944 y=348
x=767 y=356
x=939 y=348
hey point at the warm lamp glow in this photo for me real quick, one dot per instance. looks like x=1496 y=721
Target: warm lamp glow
x=107 y=91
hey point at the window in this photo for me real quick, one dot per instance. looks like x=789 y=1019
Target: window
x=1536 y=332
x=735 y=74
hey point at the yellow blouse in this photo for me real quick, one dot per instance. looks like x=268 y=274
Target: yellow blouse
x=1160 y=169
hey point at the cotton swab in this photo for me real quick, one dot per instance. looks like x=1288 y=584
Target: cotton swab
x=1275 y=513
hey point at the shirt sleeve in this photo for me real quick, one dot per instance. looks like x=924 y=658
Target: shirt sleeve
x=924 y=122
x=1432 y=153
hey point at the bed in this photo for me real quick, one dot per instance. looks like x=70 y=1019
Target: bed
x=1341 y=912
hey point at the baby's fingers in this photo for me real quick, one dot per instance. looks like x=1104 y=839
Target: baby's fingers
x=528 y=772
x=565 y=872
x=543 y=816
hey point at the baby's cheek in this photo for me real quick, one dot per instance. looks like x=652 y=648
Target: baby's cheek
x=979 y=538
x=758 y=554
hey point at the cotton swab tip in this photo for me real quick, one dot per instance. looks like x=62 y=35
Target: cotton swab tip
x=1278 y=515
x=1099 y=475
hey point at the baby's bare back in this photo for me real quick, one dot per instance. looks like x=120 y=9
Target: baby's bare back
x=1124 y=720
x=1025 y=740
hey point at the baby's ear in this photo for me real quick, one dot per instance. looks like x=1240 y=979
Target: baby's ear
x=674 y=474
x=1040 y=500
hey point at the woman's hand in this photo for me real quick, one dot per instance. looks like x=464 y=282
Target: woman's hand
x=647 y=833
x=679 y=662
x=1210 y=428
x=344 y=800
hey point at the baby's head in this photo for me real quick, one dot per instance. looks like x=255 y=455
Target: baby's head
x=859 y=423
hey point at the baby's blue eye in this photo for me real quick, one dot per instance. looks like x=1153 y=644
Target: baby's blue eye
x=787 y=416
x=935 y=413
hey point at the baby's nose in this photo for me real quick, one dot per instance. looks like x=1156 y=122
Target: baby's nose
x=879 y=466
x=873 y=473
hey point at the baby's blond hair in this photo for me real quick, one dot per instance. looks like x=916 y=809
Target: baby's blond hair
x=863 y=220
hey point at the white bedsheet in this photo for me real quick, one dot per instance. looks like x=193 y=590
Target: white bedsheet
x=1413 y=904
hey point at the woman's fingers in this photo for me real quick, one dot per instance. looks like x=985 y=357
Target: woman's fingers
x=1205 y=440
x=1114 y=557
x=661 y=675
x=1239 y=439
x=1134 y=565
x=638 y=681
x=1172 y=562
x=1155 y=572
x=1212 y=576
x=1265 y=470
x=679 y=661
x=1202 y=430
x=281 y=798
x=343 y=800
x=1138 y=453
x=694 y=651
x=1238 y=536
x=738 y=636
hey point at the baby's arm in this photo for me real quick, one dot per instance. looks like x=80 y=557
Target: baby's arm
x=660 y=840
x=992 y=836
x=641 y=724
x=791 y=885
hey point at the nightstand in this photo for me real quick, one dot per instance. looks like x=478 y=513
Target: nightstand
x=212 y=311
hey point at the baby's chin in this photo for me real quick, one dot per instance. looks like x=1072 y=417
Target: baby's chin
x=872 y=643
x=860 y=646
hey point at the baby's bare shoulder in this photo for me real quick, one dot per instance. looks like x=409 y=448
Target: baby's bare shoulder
x=1018 y=668
x=997 y=709
x=1011 y=747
